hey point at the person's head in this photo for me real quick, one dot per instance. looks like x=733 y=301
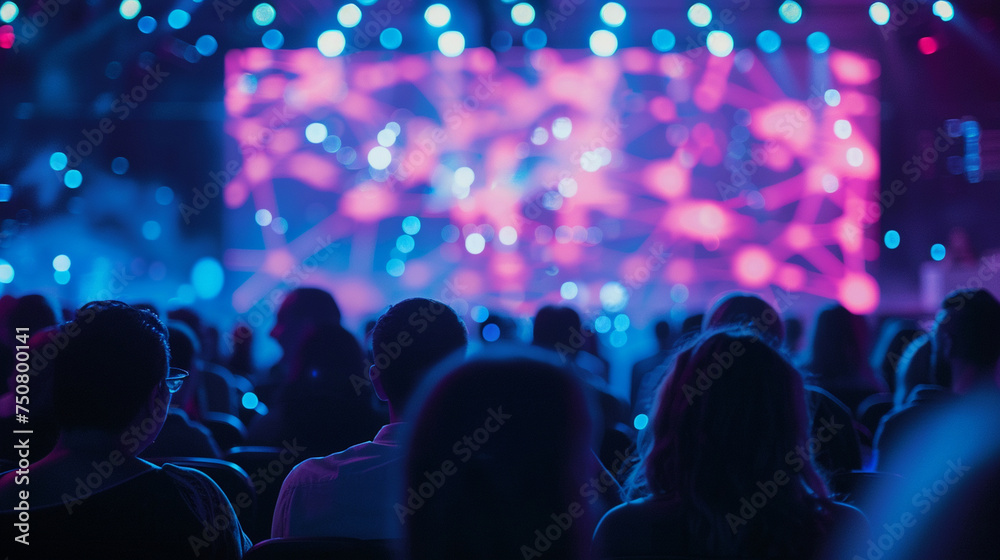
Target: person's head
x=914 y=368
x=691 y=327
x=730 y=413
x=839 y=347
x=793 y=335
x=302 y=310
x=895 y=336
x=498 y=327
x=503 y=440
x=112 y=372
x=33 y=312
x=184 y=353
x=409 y=339
x=558 y=328
x=328 y=355
x=738 y=309
x=662 y=332
x=967 y=337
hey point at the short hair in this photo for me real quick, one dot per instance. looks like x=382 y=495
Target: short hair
x=314 y=306
x=739 y=309
x=556 y=328
x=972 y=324
x=409 y=339
x=115 y=356
x=662 y=331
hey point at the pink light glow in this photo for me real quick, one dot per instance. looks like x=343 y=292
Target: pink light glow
x=753 y=266
x=859 y=293
x=851 y=68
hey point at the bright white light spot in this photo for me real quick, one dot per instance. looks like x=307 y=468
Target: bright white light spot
x=719 y=43
x=386 y=138
x=855 y=157
x=832 y=97
x=61 y=263
x=943 y=10
x=508 y=235
x=379 y=157
x=603 y=42
x=830 y=183
x=464 y=176
x=316 y=132
x=590 y=161
x=522 y=14
x=700 y=15
x=437 y=15
x=263 y=217
x=6 y=272
x=562 y=127
x=331 y=43
x=451 y=43
x=879 y=13
x=614 y=297
x=567 y=187
x=539 y=136
x=842 y=129
x=475 y=243
x=613 y=14
x=128 y=9
x=349 y=15
x=569 y=290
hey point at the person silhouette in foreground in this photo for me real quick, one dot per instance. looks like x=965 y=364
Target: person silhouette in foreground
x=92 y=497
x=498 y=461
x=727 y=471
x=351 y=493
x=644 y=371
x=946 y=449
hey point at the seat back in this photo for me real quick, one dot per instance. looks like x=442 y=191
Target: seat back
x=323 y=549
x=227 y=429
x=268 y=467
x=231 y=478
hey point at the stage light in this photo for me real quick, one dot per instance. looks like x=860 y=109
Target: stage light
x=73 y=178
x=892 y=239
x=491 y=332
x=5 y=192
x=568 y=187
x=602 y=324
x=927 y=45
x=700 y=15
x=832 y=97
x=879 y=13
x=9 y=11
x=842 y=129
x=272 y=39
x=613 y=14
x=147 y=24
x=640 y=422
x=502 y=41
x=411 y=225
x=395 y=267
x=569 y=290
x=437 y=15
x=622 y=322
x=562 y=127
x=206 y=45
x=164 y=196
x=151 y=230
x=391 y=38
x=263 y=14
x=385 y=138
x=719 y=43
x=790 y=11
x=61 y=262
x=263 y=217
x=855 y=157
x=464 y=176
x=534 y=39
x=523 y=14
x=249 y=400
x=938 y=252
x=331 y=43
x=943 y=10
x=207 y=277
x=818 y=42
x=475 y=243
x=769 y=41
x=613 y=296
x=119 y=165
x=316 y=132
x=129 y=9
x=7 y=37
x=830 y=183
x=178 y=19
x=349 y=15
x=379 y=157
x=451 y=43
x=479 y=313
x=663 y=40
x=405 y=243
x=6 y=272
x=539 y=136
x=507 y=235
x=57 y=161
x=603 y=42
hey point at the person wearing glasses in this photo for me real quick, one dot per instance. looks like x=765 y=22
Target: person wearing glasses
x=92 y=496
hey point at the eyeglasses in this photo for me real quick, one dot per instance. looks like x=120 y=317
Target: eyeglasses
x=175 y=379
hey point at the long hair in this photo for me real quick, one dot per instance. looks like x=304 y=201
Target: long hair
x=729 y=417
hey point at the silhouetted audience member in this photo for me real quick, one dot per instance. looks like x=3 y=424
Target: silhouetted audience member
x=691 y=326
x=747 y=310
x=497 y=463
x=915 y=371
x=838 y=359
x=326 y=401
x=497 y=328
x=92 y=497
x=793 y=337
x=726 y=469
x=302 y=310
x=644 y=372
x=896 y=336
x=183 y=434
x=241 y=351
x=352 y=493
x=948 y=452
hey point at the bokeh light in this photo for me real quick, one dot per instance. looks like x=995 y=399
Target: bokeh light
x=73 y=178
x=437 y=15
x=879 y=12
x=411 y=225
x=640 y=422
x=58 y=161
x=129 y=9
x=699 y=15
x=151 y=230
x=263 y=217
x=395 y=267
x=479 y=313
x=663 y=40
x=119 y=166
x=263 y=14
x=405 y=243
x=507 y=235
x=613 y=296
x=9 y=11
x=475 y=243
x=331 y=43
x=790 y=11
x=379 y=157
x=534 y=39
x=603 y=42
x=927 y=45
x=569 y=290
x=147 y=24
x=316 y=132
x=938 y=252
x=818 y=42
x=719 y=43
x=391 y=38
x=451 y=43
x=522 y=14
x=769 y=41
x=178 y=19
x=206 y=45
x=349 y=15
x=491 y=332
x=6 y=272
x=613 y=14
x=891 y=239
x=272 y=39
x=944 y=10
x=61 y=262
x=207 y=277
